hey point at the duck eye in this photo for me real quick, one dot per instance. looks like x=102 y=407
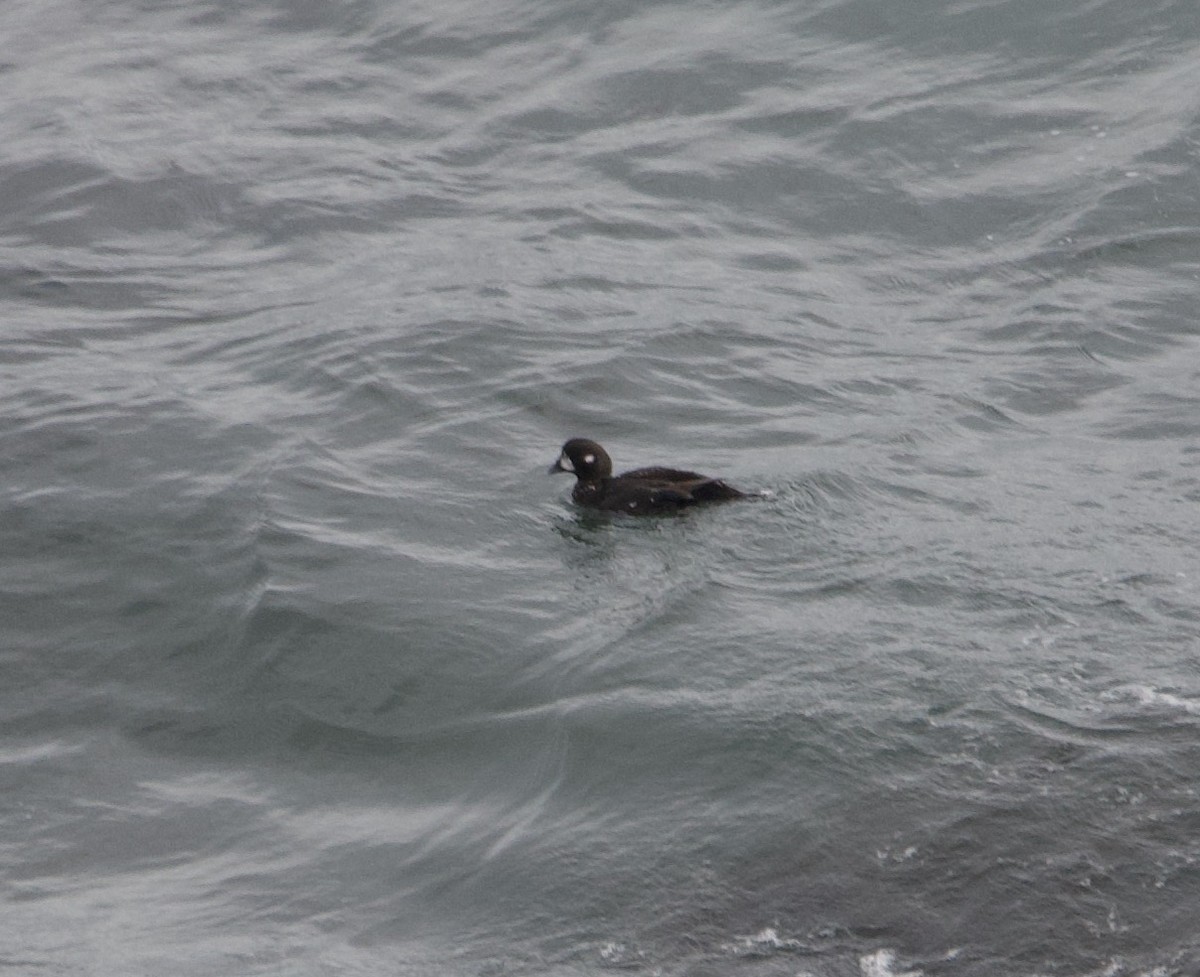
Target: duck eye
x=589 y=459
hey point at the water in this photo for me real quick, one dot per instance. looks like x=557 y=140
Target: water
x=308 y=666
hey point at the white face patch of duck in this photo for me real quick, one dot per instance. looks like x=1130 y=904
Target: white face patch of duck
x=565 y=463
x=589 y=459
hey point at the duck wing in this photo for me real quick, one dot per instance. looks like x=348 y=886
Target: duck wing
x=664 y=475
x=682 y=487
x=644 y=496
x=714 y=490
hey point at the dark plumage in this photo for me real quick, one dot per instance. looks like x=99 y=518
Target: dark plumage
x=641 y=492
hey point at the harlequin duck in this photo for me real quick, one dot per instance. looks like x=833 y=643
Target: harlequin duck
x=641 y=492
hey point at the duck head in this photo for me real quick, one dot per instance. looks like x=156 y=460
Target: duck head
x=585 y=459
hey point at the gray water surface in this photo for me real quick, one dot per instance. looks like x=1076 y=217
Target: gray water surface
x=306 y=665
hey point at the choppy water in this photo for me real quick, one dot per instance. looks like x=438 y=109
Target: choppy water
x=308 y=667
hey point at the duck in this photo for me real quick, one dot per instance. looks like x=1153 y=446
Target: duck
x=641 y=492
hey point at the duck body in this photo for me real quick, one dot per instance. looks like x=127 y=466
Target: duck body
x=641 y=492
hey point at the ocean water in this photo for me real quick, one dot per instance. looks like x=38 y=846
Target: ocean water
x=307 y=667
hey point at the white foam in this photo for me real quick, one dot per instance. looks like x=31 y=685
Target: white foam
x=762 y=943
x=616 y=954
x=1147 y=695
x=882 y=963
